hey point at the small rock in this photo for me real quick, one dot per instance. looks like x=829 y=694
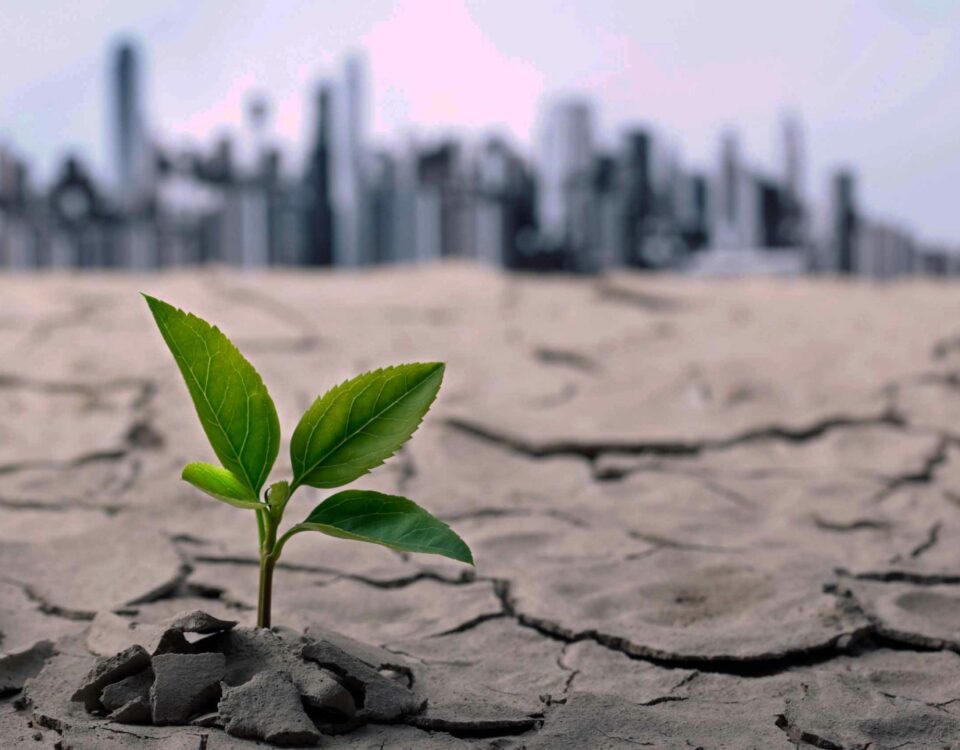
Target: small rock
x=268 y=707
x=128 y=689
x=365 y=652
x=109 y=670
x=185 y=685
x=129 y=700
x=378 y=697
x=200 y=622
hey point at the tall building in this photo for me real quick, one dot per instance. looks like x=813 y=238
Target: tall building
x=17 y=238
x=844 y=222
x=383 y=208
x=691 y=210
x=287 y=205
x=402 y=227
x=500 y=203
x=738 y=218
x=130 y=145
x=247 y=199
x=637 y=192
x=442 y=224
x=351 y=230
x=794 y=224
x=728 y=195
x=565 y=161
x=319 y=213
x=608 y=224
x=491 y=203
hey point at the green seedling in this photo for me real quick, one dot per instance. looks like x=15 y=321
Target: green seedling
x=348 y=431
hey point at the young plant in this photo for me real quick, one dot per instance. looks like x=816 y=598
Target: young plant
x=348 y=431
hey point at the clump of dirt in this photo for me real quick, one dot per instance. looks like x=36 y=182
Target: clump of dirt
x=269 y=685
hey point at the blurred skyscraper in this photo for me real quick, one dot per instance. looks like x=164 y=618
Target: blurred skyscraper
x=794 y=229
x=636 y=183
x=18 y=248
x=734 y=219
x=351 y=237
x=130 y=143
x=609 y=227
x=501 y=203
x=565 y=155
x=844 y=222
x=319 y=215
x=442 y=222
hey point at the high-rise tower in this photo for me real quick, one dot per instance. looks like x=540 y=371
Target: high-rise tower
x=130 y=147
x=737 y=220
x=351 y=235
x=318 y=179
x=844 y=222
x=565 y=163
x=794 y=181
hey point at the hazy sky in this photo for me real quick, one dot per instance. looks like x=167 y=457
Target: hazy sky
x=877 y=82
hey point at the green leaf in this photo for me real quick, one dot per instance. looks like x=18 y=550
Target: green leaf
x=392 y=521
x=221 y=484
x=360 y=423
x=231 y=400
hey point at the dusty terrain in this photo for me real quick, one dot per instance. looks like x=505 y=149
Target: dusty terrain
x=705 y=514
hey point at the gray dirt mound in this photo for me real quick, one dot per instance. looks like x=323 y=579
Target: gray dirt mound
x=257 y=684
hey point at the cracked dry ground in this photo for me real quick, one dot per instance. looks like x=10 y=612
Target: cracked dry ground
x=714 y=515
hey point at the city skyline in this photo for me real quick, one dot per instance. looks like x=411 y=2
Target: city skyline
x=688 y=83
x=573 y=205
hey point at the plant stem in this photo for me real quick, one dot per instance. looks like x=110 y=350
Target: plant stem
x=260 y=529
x=267 y=562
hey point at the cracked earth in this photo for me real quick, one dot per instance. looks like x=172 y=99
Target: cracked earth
x=718 y=515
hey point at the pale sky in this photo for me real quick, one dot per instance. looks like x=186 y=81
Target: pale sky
x=876 y=82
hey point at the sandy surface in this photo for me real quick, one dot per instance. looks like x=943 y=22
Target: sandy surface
x=705 y=514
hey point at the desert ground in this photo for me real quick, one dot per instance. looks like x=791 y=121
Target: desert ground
x=705 y=514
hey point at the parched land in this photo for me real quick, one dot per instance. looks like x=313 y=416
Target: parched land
x=719 y=515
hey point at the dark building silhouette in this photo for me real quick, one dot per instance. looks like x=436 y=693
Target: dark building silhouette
x=383 y=208
x=608 y=229
x=636 y=181
x=772 y=213
x=844 y=222
x=692 y=212
x=792 y=230
x=349 y=186
x=319 y=212
x=443 y=224
x=503 y=204
x=564 y=162
x=130 y=147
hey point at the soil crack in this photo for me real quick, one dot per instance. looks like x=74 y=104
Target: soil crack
x=590 y=450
